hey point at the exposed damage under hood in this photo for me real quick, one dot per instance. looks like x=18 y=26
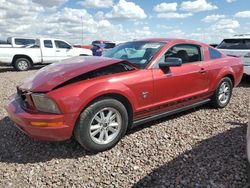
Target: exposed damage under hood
x=77 y=68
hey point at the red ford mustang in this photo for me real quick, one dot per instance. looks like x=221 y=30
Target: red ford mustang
x=97 y=99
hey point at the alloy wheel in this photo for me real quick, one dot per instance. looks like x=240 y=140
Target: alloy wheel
x=224 y=92
x=105 y=125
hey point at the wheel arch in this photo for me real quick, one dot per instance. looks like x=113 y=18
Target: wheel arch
x=231 y=78
x=121 y=98
x=225 y=72
x=17 y=56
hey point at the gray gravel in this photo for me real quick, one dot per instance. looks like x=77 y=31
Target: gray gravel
x=203 y=147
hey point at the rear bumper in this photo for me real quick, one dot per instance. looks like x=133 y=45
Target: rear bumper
x=247 y=70
x=23 y=119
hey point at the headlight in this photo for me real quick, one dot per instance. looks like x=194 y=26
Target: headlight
x=45 y=104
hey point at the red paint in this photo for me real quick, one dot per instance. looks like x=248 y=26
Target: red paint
x=181 y=86
x=84 y=46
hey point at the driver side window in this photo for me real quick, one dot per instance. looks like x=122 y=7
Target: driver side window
x=188 y=53
x=61 y=44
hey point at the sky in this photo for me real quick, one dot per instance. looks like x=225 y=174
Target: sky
x=82 y=21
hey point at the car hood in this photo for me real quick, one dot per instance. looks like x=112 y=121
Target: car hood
x=55 y=74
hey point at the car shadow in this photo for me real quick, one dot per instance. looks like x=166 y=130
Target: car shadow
x=219 y=161
x=16 y=147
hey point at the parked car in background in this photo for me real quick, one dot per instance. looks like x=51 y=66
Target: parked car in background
x=107 y=44
x=18 y=42
x=98 y=49
x=238 y=45
x=97 y=99
x=44 y=51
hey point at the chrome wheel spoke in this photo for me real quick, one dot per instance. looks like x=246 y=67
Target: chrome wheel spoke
x=226 y=89
x=97 y=119
x=109 y=115
x=112 y=118
x=223 y=97
x=221 y=91
x=220 y=97
x=112 y=129
x=94 y=127
x=94 y=133
x=101 y=136
x=102 y=115
x=113 y=124
x=106 y=134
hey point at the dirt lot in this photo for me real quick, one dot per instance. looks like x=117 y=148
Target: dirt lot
x=203 y=147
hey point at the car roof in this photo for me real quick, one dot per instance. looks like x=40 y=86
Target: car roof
x=21 y=38
x=157 y=40
x=243 y=36
x=167 y=40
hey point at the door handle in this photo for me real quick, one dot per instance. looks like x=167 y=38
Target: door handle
x=57 y=50
x=202 y=71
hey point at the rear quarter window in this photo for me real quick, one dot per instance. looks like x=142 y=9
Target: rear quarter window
x=214 y=54
x=19 y=41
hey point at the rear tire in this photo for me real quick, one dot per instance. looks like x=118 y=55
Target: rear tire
x=22 y=64
x=223 y=93
x=101 y=125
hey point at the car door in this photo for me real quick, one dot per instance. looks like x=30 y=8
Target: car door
x=63 y=50
x=183 y=85
x=48 y=52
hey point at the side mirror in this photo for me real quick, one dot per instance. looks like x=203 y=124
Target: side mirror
x=171 y=62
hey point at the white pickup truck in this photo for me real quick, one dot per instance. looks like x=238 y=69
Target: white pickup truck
x=45 y=51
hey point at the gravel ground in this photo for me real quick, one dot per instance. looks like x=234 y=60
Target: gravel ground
x=203 y=147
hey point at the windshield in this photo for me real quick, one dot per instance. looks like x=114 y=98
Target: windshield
x=138 y=53
x=235 y=44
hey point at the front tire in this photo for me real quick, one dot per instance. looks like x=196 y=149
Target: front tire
x=22 y=64
x=101 y=125
x=223 y=93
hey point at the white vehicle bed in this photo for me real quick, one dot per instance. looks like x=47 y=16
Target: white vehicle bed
x=45 y=51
